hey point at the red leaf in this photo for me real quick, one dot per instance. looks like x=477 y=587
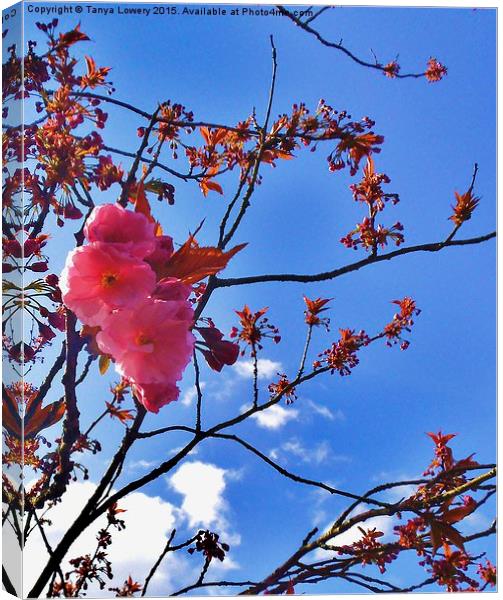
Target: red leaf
x=123 y=415
x=208 y=184
x=192 y=262
x=72 y=37
x=141 y=204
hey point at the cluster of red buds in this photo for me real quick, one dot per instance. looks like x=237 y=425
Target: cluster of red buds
x=210 y=545
x=342 y=355
x=401 y=322
x=282 y=387
x=254 y=328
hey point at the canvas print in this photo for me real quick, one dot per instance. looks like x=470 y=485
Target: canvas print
x=249 y=299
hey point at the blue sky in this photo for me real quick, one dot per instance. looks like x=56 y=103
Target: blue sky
x=355 y=431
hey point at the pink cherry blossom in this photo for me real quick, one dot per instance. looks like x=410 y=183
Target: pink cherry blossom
x=98 y=279
x=171 y=288
x=155 y=395
x=162 y=252
x=123 y=229
x=151 y=343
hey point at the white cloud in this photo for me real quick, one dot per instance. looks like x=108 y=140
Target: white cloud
x=141 y=464
x=397 y=493
x=275 y=416
x=149 y=522
x=202 y=486
x=190 y=394
x=267 y=369
x=384 y=524
x=317 y=454
x=223 y=389
x=202 y=509
x=324 y=411
x=319 y=516
x=177 y=449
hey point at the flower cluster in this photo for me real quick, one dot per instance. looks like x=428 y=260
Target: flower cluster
x=227 y=147
x=283 y=387
x=254 y=328
x=368 y=234
x=391 y=69
x=402 y=321
x=128 y=589
x=369 y=550
x=210 y=545
x=432 y=533
x=369 y=237
x=465 y=205
x=369 y=189
x=144 y=323
x=410 y=534
x=435 y=70
x=313 y=310
x=487 y=573
x=341 y=356
x=95 y=567
x=450 y=570
x=443 y=459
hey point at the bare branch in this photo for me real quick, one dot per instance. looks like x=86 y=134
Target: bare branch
x=317 y=14
x=338 y=46
x=71 y=428
x=262 y=147
x=132 y=172
x=293 y=476
x=199 y=393
x=158 y=562
x=212 y=584
x=432 y=247
x=56 y=367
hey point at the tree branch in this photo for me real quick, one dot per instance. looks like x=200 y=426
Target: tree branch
x=293 y=476
x=343 y=524
x=338 y=46
x=71 y=427
x=432 y=247
x=136 y=163
x=158 y=562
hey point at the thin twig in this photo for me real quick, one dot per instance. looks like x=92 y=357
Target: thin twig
x=71 y=427
x=48 y=548
x=255 y=376
x=470 y=190
x=317 y=14
x=158 y=562
x=213 y=584
x=293 y=476
x=54 y=370
x=262 y=147
x=199 y=393
x=306 y=350
x=123 y=200
x=85 y=371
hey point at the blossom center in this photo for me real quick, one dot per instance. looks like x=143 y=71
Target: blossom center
x=108 y=279
x=143 y=339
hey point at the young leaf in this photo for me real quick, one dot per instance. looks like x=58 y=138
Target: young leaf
x=103 y=363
